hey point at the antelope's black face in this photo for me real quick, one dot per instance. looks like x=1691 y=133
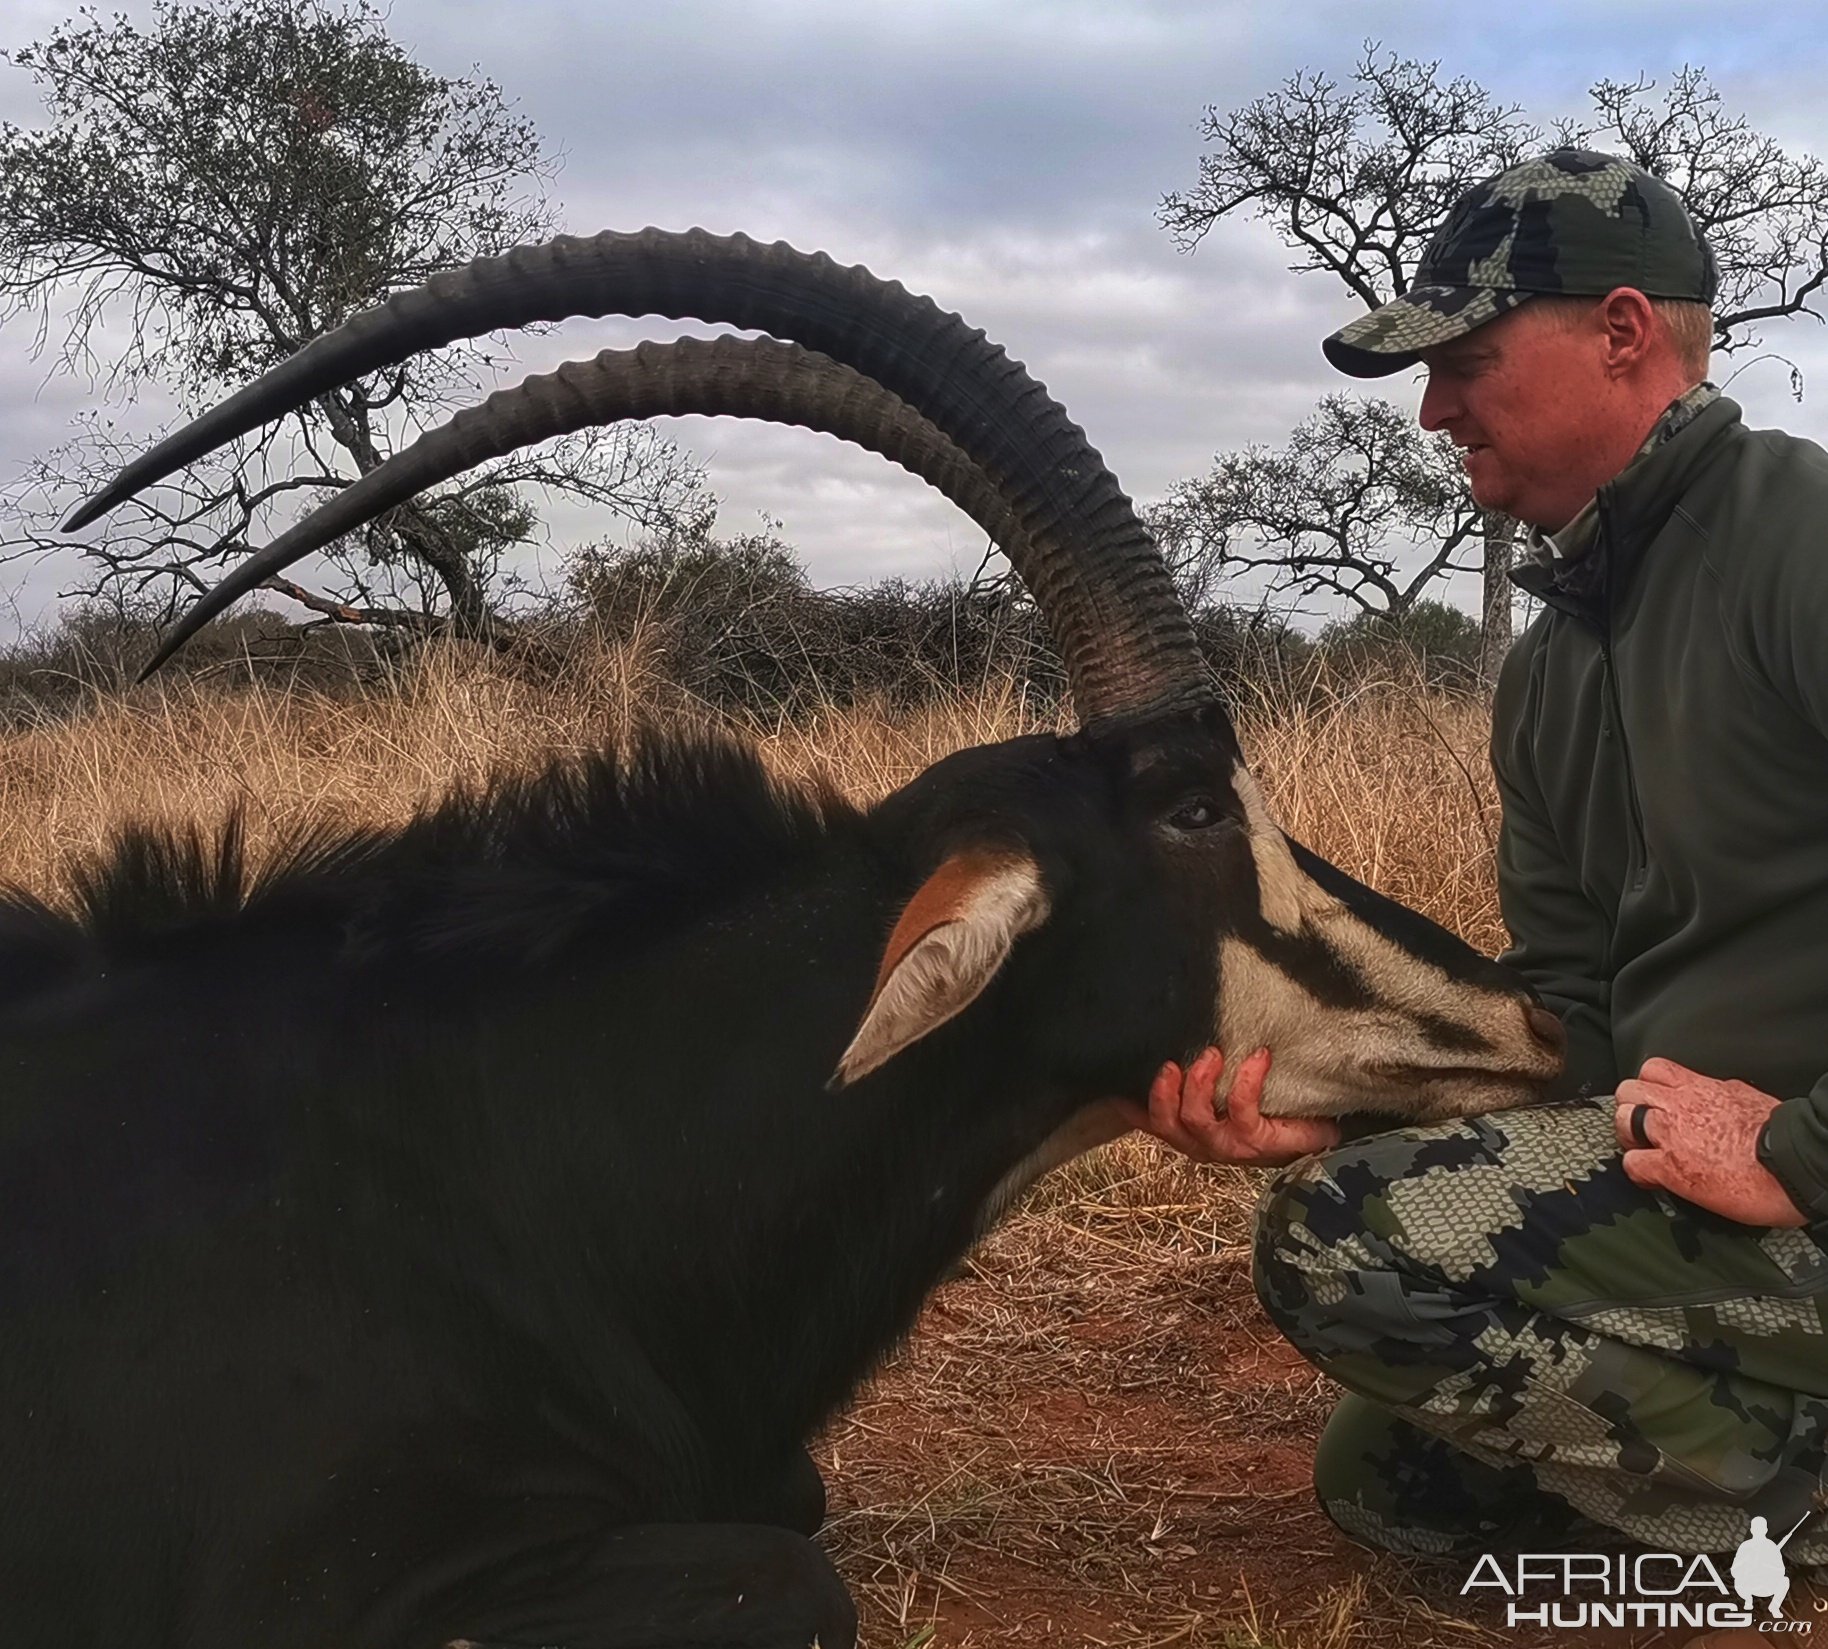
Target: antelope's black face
x=1147 y=904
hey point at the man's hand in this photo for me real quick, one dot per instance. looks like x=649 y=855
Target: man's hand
x=1180 y=1113
x=1703 y=1143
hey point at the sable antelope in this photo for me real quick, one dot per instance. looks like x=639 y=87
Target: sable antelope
x=456 y=1232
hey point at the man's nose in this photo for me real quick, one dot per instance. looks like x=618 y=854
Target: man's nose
x=1438 y=405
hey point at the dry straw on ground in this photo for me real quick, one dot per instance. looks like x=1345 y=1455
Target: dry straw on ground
x=1095 y=1438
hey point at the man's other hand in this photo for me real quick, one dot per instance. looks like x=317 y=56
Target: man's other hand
x=1180 y=1113
x=1703 y=1143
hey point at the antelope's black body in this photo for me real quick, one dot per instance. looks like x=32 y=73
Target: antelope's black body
x=375 y=1303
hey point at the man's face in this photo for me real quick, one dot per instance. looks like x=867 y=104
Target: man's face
x=1530 y=403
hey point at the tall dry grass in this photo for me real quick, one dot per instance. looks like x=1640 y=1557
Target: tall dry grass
x=1386 y=778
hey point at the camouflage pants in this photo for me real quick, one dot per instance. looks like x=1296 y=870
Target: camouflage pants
x=1531 y=1339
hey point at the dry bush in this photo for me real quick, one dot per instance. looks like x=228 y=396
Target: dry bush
x=740 y=625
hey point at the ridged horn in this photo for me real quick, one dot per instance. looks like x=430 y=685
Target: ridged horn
x=1097 y=575
x=728 y=377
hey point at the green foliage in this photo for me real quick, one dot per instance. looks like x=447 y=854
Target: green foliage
x=1442 y=640
x=674 y=576
x=244 y=177
x=208 y=195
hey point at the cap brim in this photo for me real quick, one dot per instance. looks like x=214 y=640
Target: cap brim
x=1394 y=336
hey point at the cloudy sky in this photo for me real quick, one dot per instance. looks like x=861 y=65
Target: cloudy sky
x=1006 y=157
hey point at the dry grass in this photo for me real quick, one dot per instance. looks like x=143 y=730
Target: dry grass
x=1095 y=1438
x=1389 y=782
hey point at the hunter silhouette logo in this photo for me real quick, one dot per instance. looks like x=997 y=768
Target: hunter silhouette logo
x=1758 y=1567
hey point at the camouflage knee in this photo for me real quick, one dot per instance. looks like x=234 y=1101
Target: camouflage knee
x=1502 y=1285
x=1364 y=1258
x=1389 y=1484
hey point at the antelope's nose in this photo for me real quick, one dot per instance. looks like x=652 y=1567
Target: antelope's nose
x=1545 y=1027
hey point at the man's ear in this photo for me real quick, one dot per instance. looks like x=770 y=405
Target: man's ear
x=951 y=938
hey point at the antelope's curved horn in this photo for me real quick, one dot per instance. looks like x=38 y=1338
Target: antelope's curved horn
x=1096 y=573
x=730 y=377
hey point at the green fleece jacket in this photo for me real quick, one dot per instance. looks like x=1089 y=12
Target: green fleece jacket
x=1660 y=739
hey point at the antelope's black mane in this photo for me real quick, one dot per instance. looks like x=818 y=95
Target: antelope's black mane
x=616 y=845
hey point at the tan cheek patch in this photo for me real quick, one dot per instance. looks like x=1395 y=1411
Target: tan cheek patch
x=1260 y=1006
x=1409 y=986
x=1291 y=900
x=1328 y=1057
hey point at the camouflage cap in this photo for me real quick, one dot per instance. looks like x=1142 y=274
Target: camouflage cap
x=1570 y=222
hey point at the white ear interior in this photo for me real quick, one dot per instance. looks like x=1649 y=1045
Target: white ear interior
x=947 y=968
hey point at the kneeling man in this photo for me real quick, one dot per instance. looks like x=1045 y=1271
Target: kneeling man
x=1612 y=1309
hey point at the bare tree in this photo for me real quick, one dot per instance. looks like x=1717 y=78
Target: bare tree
x=1360 y=505
x=212 y=193
x=1355 y=179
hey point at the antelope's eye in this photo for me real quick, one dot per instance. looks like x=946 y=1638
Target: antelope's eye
x=1198 y=813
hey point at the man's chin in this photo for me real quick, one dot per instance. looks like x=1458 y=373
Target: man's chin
x=1485 y=482
x=1501 y=495
x=1499 y=500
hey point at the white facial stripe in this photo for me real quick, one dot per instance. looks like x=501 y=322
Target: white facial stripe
x=1292 y=901
x=1325 y=1057
x=1412 y=986
x=1285 y=895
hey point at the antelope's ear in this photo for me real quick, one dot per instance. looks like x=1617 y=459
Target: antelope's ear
x=950 y=940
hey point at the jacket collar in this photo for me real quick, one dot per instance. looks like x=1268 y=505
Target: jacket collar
x=1629 y=512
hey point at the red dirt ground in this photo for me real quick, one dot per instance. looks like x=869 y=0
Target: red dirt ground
x=1096 y=1439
